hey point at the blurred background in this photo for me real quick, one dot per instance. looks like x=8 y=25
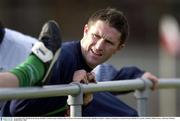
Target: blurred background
x=143 y=48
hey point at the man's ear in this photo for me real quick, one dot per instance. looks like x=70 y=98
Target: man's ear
x=121 y=46
x=85 y=29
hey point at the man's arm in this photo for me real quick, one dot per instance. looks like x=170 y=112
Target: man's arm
x=107 y=72
x=133 y=73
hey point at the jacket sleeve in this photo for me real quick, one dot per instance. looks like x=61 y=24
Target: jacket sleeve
x=127 y=73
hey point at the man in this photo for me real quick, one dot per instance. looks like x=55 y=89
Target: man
x=104 y=35
x=21 y=45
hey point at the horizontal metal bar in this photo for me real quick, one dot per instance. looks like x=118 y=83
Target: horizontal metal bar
x=116 y=85
x=38 y=92
x=169 y=83
x=72 y=89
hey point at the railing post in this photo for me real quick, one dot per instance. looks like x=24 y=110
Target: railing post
x=142 y=98
x=75 y=102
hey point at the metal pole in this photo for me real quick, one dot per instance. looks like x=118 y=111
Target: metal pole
x=75 y=102
x=142 y=98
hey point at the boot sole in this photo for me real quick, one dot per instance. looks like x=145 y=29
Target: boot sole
x=51 y=65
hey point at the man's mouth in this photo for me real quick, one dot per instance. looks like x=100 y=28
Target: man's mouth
x=96 y=53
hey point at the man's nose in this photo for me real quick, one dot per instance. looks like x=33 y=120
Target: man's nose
x=99 y=44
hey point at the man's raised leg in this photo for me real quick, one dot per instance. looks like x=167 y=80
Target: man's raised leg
x=39 y=63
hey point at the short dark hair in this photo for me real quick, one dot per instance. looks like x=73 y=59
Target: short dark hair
x=114 y=18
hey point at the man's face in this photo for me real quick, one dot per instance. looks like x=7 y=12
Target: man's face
x=99 y=43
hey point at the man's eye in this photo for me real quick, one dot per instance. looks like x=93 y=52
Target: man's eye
x=109 y=42
x=96 y=36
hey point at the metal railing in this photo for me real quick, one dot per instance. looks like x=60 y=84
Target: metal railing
x=75 y=92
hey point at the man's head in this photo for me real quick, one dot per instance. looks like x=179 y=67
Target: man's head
x=114 y=18
x=2 y=32
x=104 y=34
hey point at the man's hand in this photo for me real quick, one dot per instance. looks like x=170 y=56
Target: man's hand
x=152 y=78
x=84 y=77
